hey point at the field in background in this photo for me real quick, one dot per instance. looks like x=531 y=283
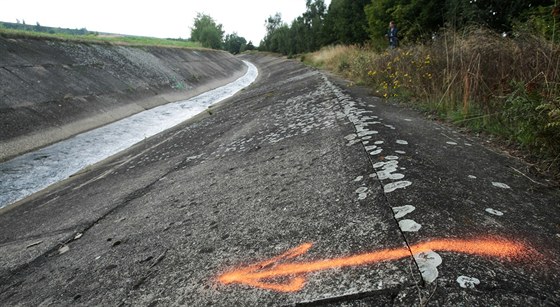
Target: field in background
x=508 y=87
x=91 y=37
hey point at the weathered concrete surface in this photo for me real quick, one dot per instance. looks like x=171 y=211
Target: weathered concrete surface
x=297 y=157
x=51 y=90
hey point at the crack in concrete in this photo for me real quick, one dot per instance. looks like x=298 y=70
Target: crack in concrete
x=370 y=159
x=390 y=293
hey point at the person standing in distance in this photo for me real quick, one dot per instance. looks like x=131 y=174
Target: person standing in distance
x=392 y=35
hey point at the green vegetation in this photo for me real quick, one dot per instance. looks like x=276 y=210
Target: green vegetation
x=209 y=34
x=91 y=37
x=492 y=67
x=505 y=86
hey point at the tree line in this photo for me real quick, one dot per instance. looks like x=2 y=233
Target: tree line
x=21 y=25
x=210 y=34
x=363 y=22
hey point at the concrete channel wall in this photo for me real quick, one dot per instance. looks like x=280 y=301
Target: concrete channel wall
x=51 y=90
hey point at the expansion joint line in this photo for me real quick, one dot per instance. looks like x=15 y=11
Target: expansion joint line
x=370 y=159
x=388 y=202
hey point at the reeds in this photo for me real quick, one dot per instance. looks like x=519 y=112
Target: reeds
x=505 y=85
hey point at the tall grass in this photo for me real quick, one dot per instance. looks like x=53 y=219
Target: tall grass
x=506 y=86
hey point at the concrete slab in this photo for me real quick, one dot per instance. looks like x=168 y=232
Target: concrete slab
x=316 y=191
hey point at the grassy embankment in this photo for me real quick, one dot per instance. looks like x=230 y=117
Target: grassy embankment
x=101 y=39
x=506 y=87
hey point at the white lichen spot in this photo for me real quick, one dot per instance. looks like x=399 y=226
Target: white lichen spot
x=361 y=190
x=376 y=152
x=367 y=132
x=391 y=158
x=451 y=143
x=390 y=187
x=428 y=262
x=350 y=137
x=400 y=152
x=388 y=174
x=467 y=282
x=402 y=142
x=402 y=210
x=468 y=144
x=371 y=147
x=378 y=164
x=362 y=196
x=501 y=185
x=409 y=225
x=374 y=175
x=472 y=177
x=359 y=178
x=493 y=211
x=408 y=119
x=378 y=142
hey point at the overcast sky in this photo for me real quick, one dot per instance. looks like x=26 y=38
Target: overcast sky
x=161 y=18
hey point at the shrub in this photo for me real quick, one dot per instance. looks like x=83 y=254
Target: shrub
x=505 y=85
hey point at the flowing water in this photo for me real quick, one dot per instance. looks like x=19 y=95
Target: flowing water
x=34 y=171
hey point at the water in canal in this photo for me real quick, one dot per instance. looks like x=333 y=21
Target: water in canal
x=34 y=171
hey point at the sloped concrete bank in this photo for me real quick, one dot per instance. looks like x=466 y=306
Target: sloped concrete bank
x=51 y=90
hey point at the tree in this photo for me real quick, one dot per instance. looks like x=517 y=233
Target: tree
x=272 y=25
x=234 y=44
x=313 y=21
x=419 y=19
x=250 y=46
x=304 y=34
x=346 y=22
x=416 y=19
x=207 y=32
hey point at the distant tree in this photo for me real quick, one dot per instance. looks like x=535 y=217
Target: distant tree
x=207 y=32
x=419 y=19
x=502 y=14
x=273 y=24
x=346 y=22
x=250 y=46
x=234 y=44
x=302 y=35
x=314 y=21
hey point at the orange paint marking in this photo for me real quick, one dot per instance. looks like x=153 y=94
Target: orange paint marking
x=265 y=274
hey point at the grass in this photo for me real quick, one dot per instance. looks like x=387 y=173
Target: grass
x=508 y=87
x=101 y=39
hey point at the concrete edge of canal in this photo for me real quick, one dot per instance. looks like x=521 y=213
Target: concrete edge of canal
x=52 y=90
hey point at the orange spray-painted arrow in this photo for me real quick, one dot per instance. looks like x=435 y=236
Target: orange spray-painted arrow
x=263 y=274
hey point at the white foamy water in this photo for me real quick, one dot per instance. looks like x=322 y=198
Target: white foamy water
x=34 y=171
